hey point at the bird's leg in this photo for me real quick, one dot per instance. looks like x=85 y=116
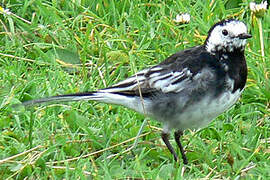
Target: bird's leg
x=165 y=138
x=177 y=136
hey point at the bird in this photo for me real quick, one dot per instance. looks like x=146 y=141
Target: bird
x=187 y=90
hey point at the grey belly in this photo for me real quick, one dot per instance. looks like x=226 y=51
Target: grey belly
x=178 y=112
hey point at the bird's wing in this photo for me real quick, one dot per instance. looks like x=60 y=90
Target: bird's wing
x=190 y=70
x=180 y=71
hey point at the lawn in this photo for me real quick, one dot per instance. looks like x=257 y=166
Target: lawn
x=57 y=47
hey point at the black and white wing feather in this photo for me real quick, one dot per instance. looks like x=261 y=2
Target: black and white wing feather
x=192 y=69
x=152 y=80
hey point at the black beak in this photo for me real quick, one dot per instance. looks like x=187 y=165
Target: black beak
x=244 y=36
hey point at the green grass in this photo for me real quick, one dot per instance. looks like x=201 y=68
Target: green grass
x=73 y=46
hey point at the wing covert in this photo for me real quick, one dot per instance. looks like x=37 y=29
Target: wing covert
x=171 y=76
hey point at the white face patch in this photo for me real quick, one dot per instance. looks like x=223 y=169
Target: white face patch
x=219 y=39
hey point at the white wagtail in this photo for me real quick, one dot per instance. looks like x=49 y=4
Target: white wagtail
x=187 y=90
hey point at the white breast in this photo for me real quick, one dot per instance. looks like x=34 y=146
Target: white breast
x=202 y=113
x=208 y=109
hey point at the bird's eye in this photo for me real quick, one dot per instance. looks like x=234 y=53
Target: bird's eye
x=224 y=32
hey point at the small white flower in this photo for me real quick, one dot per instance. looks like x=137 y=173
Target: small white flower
x=41 y=26
x=182 y=18
x=5 y=11
x=258 y=9
x=252 y=6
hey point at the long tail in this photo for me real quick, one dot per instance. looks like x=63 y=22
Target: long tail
x=63 y=98
x=131 y=102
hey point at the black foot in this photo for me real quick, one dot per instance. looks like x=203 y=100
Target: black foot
x=165 y=138
x=177 y=135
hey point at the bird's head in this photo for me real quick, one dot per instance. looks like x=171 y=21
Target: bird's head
x=227 y=36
